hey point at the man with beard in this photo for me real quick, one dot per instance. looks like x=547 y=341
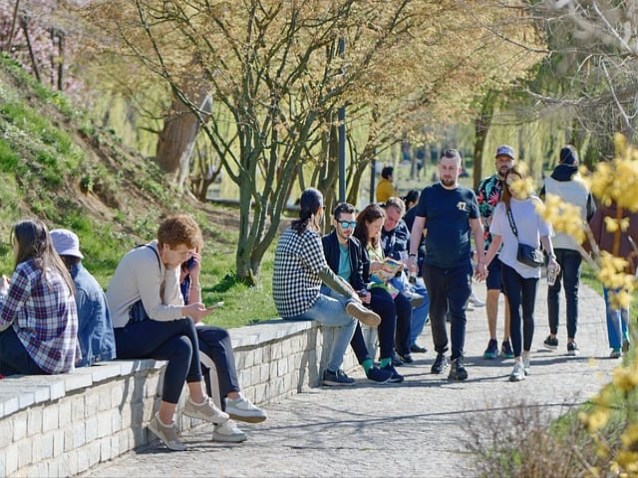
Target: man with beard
x=450 y=213
x=488 y=195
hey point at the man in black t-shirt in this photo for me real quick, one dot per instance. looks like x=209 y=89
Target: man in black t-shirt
x=450 y=213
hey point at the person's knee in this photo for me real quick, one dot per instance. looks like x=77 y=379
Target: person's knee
x=182 y=348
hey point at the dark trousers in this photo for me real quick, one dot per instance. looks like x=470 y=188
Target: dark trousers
x=14 y=358
x=569 y=262
x=449 y=290
x=521 y=294
x=392 y=320
x=175 y=341
x=215 y=343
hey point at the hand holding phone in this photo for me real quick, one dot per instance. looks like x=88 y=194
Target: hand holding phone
x=216 y=305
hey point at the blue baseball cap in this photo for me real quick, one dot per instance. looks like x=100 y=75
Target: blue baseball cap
x=505 y=150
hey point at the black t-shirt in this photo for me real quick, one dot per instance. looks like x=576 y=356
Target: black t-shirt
x=447 y=214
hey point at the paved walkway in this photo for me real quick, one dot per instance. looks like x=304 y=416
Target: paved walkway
x=417 y=428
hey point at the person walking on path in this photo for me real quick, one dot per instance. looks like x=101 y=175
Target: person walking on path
x=516 y=221
x=299 y=269
x=450 y=213
x=345 y=256
x=617 y=317
x=488 y=195
x=566 y=183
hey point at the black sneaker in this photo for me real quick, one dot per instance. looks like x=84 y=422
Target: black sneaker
x=417 y=349
x=396 y=377
x=406 y=358
x=336 y=379
x=396 y=360
x=379 y=375
x=551 y=343
x=457 y=370
x=572 y=349
x=440 y=362
x=491 y=351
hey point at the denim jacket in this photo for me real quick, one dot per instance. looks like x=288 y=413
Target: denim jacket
x=95 y=331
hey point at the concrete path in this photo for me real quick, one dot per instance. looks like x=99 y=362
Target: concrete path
x=418 y=428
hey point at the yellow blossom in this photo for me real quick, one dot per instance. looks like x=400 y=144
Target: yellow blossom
x=625 y=379
x=563 y=216
x=630 y=436
x=628 y=460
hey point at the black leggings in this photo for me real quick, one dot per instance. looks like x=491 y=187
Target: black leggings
x=14 y=358
x=215 y=343
x=521 y=293
x=175 y=341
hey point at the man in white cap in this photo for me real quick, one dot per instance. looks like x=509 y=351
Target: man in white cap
x=95 y=330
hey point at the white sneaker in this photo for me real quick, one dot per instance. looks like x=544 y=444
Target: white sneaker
x=229 y=432
x=205 y=411
x=518 y=373
x=526 y=362
x=244 y=410
x=166 y=433
x=475 y=301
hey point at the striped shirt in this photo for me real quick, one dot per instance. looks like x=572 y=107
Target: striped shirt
x=43 y=315
x=296 y=283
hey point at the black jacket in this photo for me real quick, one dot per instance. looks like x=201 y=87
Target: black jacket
x=359 y=261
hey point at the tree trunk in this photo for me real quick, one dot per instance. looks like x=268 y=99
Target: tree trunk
x=482 y=125
x=176 y=142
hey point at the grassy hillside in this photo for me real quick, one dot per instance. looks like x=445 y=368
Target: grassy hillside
x=57 y=166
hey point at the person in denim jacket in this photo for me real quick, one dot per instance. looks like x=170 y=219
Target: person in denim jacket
x=95 y=330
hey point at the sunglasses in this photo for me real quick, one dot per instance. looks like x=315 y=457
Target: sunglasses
x=347 y=224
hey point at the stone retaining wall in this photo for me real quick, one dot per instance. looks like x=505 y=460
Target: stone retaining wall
x=63 y=425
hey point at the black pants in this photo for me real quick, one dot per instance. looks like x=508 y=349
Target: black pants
x=215 y=343
x=14 y=358
x=521 y=294
x=175 y=341
x=449 y=290
x=569 y=262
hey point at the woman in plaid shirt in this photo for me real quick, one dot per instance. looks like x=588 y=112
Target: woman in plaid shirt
x=38 y=316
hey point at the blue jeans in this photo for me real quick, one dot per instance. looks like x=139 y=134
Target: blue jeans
x=617 y=323
x=521 y=294
x=569 y=262
x=331 y=313
x=448 y=289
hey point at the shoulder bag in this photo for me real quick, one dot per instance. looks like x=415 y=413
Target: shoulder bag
x=528 y=255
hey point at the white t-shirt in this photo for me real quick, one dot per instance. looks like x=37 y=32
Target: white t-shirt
x=530 y=228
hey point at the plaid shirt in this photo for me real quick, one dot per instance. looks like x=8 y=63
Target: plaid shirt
x=488 y=195
x=298 y=260
x=44 y=316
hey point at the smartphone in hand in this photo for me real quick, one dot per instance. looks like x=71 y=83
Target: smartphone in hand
x=216 y=305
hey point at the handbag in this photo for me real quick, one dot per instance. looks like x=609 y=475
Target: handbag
x=525 y=254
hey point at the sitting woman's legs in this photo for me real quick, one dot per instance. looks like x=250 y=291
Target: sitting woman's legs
x=383 y=304
x=14 y=358
x=215 y=342
x=174 y=341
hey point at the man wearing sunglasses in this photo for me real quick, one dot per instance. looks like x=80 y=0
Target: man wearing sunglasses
x=344 y=255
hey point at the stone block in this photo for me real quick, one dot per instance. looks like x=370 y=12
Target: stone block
x=50 y=417
x=68 y=438
x=79 y=434
x=105 y=371
x=6 y=433
x=77 y=408
x=34 y=420
x=254 y=375
x=72 y=462
x=266 y=353
x=9 y=404
x=124 y=442
x=77 y=381
x=36 y=450
x=116 y=420
x=91 y=429
x=264 y=372
x=42 y=469
x=276 y=351
x=104 y=424
x=83 y=459
x=58 y=442
x=19 y=426
x=282 y=367
x=10 y=456
x=117 y=394
x=25 y=453
x=250 y=359
x=149 y=410
x=46 y=444
x=115 y=445
x=137 y=414
x=104 y=395
x=260 y=393
x=94 y=453
x=105 y=449
x=64 y=412
x=91 y=403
